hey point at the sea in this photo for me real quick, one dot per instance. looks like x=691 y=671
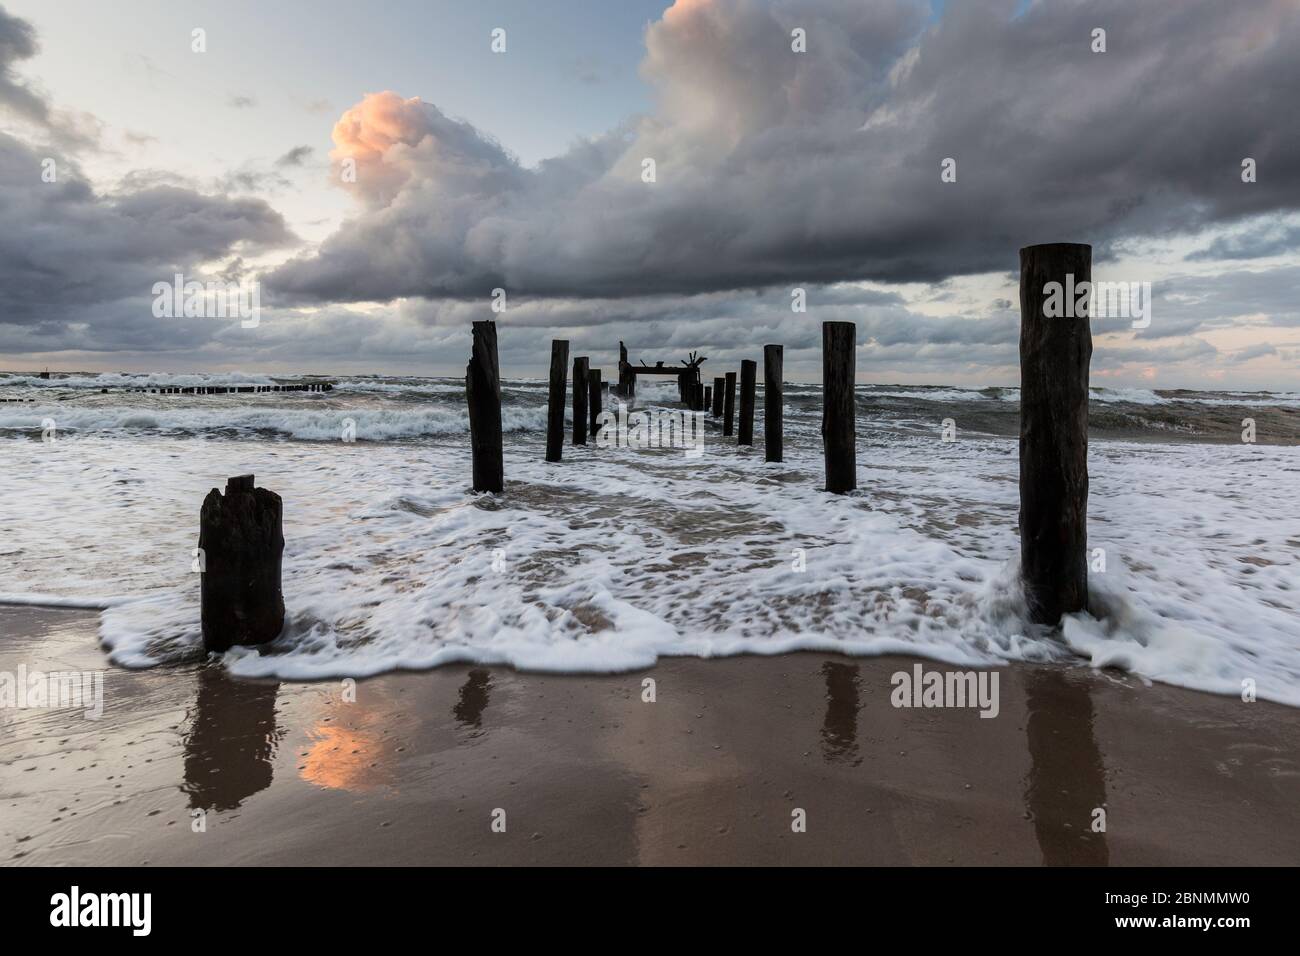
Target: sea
x=619 y=555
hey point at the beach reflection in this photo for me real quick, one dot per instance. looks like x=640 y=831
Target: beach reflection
x=231 y=743
x=473 y=699
x=1067 y=778
x=343 y=758
x=840 y=726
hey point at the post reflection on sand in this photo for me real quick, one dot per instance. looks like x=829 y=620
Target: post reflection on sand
x=840 y=726
x=1067 y=778
x=229 y=751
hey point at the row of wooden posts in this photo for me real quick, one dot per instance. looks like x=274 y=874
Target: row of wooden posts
x=241 y=532
x=839 y=343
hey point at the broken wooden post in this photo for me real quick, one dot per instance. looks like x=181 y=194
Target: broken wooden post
x=1055 y=349
x=555 y=400
x=594 y=404
x=773 y=398
x=729 y=404
x=748 y=374
x=718 y=384
x=483 y=392
x=580 y=369
x=839 y=430
x=241 y=544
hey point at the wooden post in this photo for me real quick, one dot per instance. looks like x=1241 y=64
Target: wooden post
x=839 y=431
x=718 y=386
x=708 y=397
x=773 y=399
x=1055 y=351
x=555 y=400
x=580 y=369
x=729 y=404
x=626 y=377
x=241 y=544
x=483 y=392
x=593 y=381
x=748 y=374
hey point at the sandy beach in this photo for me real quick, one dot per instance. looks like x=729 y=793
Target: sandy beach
x=586 y=771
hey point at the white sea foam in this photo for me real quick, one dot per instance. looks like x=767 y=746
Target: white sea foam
x=616 y=557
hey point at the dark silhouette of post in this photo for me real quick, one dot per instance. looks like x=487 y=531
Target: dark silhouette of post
x=1054 y=354
x=593 y=382
x=729 y=404
x=718 y=391
x=839 y=431
x=773 y=400
x=241 y=544
x=555 y=400
x=748 y=374
x=580 y=391
x=483 y=392
x=708 y=398
x=626 y=377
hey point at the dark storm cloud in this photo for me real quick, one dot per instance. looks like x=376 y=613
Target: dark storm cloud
x=781 y=168
x=18 y=42
x=77 y=267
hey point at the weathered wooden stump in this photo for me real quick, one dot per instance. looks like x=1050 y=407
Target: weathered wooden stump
x=719 y=384
x=594 y=402
x=580 y=392
x=748 y=375
x=839 y=429
x=1055 y=352
x=555 y=400
x=773 y=401
x=241 y=543
x=483 y=392
x=729 y=404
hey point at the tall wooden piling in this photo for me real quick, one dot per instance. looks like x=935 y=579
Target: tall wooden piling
x=773 y=401
x=580 y=392
x=708 y=398
x=839 y=431
x=748 y=375
x=1055 y=351
x=483 y=392
x=241 y=544
x=729 y=405
x=555 y=400
x=594 y=402
x=718 y=391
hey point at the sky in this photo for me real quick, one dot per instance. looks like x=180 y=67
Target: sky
x=378 y=170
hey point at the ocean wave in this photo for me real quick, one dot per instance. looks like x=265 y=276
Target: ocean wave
x=304 y=424
x=118 y=380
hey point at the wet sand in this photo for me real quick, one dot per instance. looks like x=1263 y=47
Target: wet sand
x=586 y=772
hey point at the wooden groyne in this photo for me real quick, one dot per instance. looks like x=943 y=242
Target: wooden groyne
x=230 y=389
x=241 y=538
